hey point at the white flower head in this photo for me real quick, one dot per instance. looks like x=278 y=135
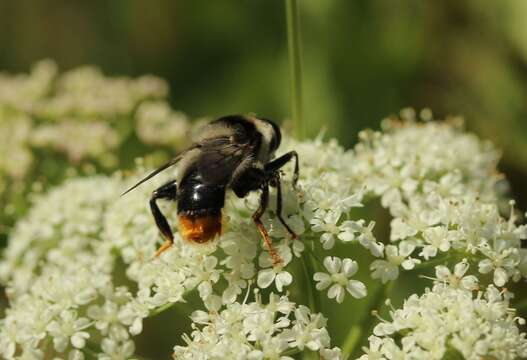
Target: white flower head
x=457 y=278
x=450 y=317
x=337 y=279
x=388 y=269
x=257 y=331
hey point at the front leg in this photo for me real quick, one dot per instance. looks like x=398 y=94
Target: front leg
x=264 y=201
x=278 y=163
x=167 y=191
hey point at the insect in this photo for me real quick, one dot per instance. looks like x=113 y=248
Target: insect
x=233 y=152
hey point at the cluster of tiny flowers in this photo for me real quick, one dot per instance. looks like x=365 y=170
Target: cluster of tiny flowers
x=158 y=124
x=15 y=157
x=257 y=331
x=62 y=258
x=80 y=115
x=244 y=257
x=63 y=223
x=60 y=108
x=451 y=318
x=440 y=192
x=59 y=277
x=339 y=272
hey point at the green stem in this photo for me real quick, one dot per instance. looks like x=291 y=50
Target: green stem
x=441 y=260
x=290 y=352
x=355 y=334
x=315 y=257
x=308 y=275
x=522 y=305
x=181 y=307
x=160 y=309
x=352 y=339
x=90 y=354
x=92 y=350
x=295 y=65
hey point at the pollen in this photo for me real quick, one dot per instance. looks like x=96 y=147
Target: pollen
x=200 y=229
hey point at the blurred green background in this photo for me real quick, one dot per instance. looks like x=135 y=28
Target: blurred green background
x=363 y=59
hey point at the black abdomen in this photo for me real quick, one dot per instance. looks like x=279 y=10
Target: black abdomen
x=196 y=198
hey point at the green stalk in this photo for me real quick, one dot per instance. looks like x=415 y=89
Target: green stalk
x=357 y=332
x=181 y=306
x=522 y=305
x=308 y=278
x=295 y=66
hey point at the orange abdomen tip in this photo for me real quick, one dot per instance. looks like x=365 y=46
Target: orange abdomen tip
x=200 y=228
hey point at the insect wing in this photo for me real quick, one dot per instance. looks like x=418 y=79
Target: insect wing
x=220 y=157
x=163 y=167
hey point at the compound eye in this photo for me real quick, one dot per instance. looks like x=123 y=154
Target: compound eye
x=277 y=137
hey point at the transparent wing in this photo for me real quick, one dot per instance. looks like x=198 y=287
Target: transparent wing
x=220 y=157
x=163 y=167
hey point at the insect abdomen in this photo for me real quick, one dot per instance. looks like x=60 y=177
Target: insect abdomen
x=200 y=209
x=200 y=228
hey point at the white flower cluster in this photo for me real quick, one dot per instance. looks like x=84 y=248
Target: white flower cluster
x=61 y=259
x=69 y=137
x=59 y=276
x=128 y=225
x=451 y=319
x=159 y=124
x=339 y=272
x=15 y=157
x=80 y=115
x=257 y=331
x=61 y=262
x=64 y=223
x=58 y=107
x=440 y=193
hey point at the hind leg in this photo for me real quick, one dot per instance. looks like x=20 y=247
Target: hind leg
x=167 y=191
x=264 y=201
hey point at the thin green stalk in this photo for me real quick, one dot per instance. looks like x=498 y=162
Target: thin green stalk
x=291 y=352
x=522 y=305
x=181 y=306
x=310 y=291
x=352 y=339
x=160 y=309
x=91 y=350
x=295 y=65
x=90 y=354
x=356 y=332
x=441 y=260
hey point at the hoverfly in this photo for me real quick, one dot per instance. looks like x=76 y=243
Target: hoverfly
x=233 y=152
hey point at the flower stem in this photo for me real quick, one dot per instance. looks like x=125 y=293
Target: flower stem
x=182 y=306
x=355 y=334
x=308 y=275
x=160 y=309
x=353 y=337
x=295 y=65
x=440 y=260
x=522 y=305
x=91 y=350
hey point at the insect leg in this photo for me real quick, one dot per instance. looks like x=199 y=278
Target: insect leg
x=167 y=191
x=294 y=236
x=264 y=201
x=276 y=164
